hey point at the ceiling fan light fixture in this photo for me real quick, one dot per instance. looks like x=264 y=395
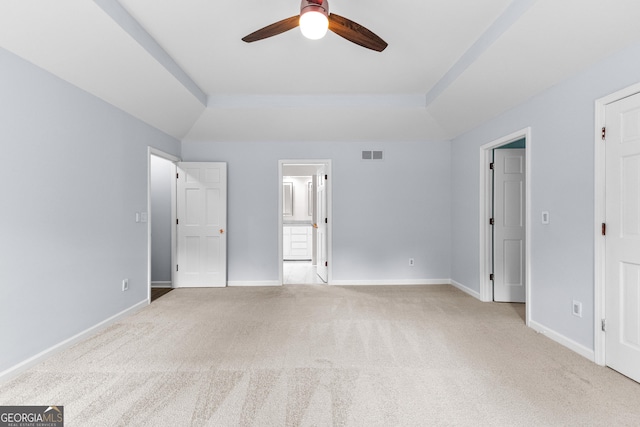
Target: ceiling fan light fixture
x=314 y=21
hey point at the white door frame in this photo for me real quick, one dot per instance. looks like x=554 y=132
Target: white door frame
x=327 y=164
x=485 y=191
x=599 y=292
x=158 y=153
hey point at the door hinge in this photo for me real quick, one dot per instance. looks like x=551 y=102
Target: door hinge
x=177 y=221
x=603 y=324
x=604 y=133
x=326 y=264
x=604 y=229
x=491 y=221
x=326 y=221
x=491 y=277
x=177 y=269
x=326 y=177
x=177 y=175
x=491 y=165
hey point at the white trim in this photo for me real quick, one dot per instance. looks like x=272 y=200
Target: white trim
x=45 y=354
x=486 y=289
x=392 y=282
x=158 y=153
x=466 y=290
x=241 y=283
x=329 y=192
x=130 y=25
x=561 y=339
x=161 y=284
x=599 y=291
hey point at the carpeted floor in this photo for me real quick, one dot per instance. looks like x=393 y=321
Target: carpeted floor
x=323 y=356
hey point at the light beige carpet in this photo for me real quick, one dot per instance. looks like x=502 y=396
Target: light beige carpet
x=322 y=356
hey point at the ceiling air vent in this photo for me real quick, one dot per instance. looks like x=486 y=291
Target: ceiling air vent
x=372 y=155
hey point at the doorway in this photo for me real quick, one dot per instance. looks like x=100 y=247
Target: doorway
x=304 y=222
x=161 y=197
x=514 y=252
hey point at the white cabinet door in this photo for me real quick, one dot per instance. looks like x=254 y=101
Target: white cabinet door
x=286 y=242
x=202 y=224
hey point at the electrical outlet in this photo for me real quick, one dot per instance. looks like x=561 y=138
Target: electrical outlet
x=545 y=217
x=411 y=262
x=576 y=308
x=125 y=285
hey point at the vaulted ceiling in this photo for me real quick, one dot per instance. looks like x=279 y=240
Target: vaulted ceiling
x=180 y=65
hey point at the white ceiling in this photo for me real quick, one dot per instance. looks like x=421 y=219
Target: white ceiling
x=180 y=65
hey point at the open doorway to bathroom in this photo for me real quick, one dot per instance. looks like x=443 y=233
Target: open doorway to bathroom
x=304 y=222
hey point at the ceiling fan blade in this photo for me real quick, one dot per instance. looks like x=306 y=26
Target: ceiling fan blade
x=355 y=33
x=273 y=29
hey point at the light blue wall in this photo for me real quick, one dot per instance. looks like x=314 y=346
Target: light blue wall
x=383 y=212
x=562 y=182
x=74 y=173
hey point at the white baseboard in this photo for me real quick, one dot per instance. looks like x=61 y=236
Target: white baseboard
x=466 y=290
x=561 y=339
x=254 y=283
x=391 y=282
x=45 y=354
x=161 y=285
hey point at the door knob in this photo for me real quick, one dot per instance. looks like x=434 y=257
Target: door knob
x=315 y=225
x=221 y=231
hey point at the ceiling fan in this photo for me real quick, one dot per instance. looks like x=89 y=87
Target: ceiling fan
x=314 y=20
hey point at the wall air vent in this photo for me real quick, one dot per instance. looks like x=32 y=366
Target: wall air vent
x=372 y=155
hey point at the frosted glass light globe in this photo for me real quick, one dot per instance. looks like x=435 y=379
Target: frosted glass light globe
x=314 y=25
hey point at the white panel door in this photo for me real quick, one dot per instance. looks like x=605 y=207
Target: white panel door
x=622 y=264
x=321 y=232
x=509 y=225
x=202 y=224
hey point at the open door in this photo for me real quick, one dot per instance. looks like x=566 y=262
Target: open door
x=321 y=224
x=201 y=225
x=509 y=225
